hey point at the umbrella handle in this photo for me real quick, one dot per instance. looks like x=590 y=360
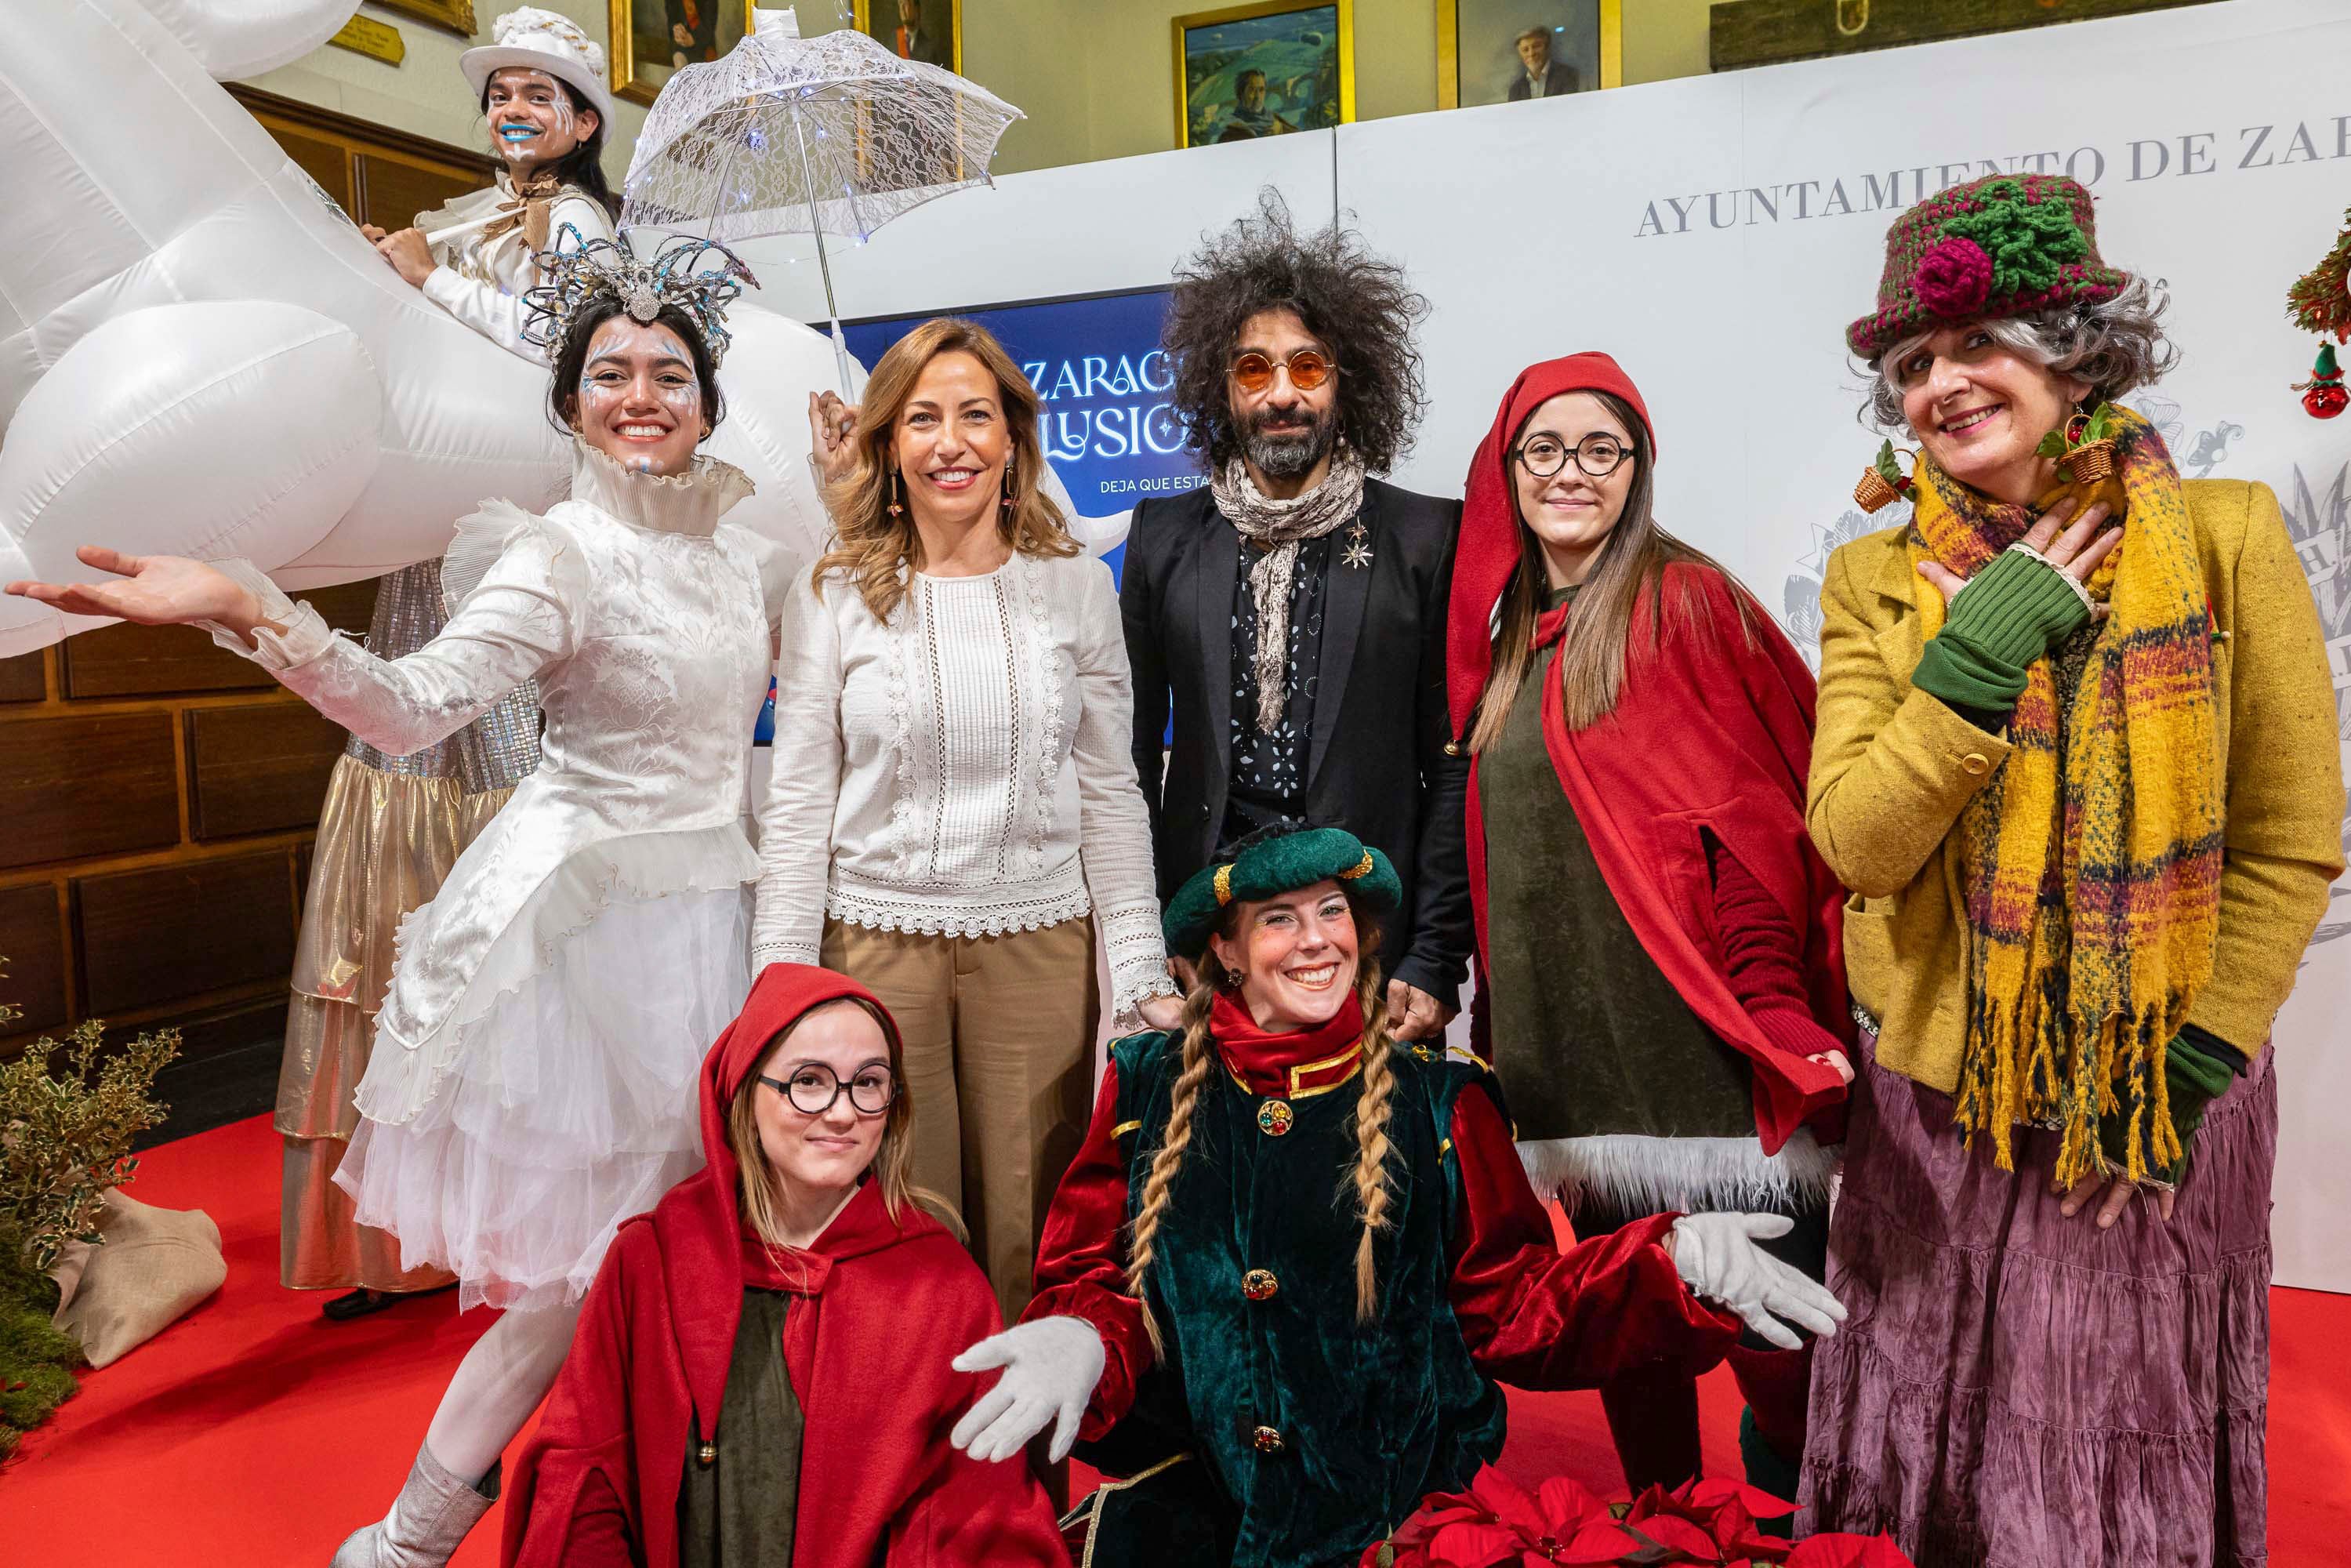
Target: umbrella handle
x=454 y=230
x=849 y=388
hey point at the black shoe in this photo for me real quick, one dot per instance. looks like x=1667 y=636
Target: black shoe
x=361 y=1302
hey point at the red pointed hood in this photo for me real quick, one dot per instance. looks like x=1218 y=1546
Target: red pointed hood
x=701 y=1221
x=1488 y=550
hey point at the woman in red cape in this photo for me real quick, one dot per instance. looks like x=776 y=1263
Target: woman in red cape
x=1660 y=983
x=670 y=1439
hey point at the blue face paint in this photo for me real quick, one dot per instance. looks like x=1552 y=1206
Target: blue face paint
x=519 y=134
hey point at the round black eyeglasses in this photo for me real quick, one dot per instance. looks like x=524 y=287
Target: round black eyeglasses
x=813 y=1088
x=1598 y=455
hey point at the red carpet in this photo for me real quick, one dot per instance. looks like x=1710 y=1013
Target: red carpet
x=254 y=1432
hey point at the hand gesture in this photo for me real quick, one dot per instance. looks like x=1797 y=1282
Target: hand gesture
x=370 y=232
x=2077 y=551
x=408 y=254
x=1050 y=1367
x=155 y=591
x=833 y=423
x=1716 y=1257
x=2114 y=1200
x=1413 y=1014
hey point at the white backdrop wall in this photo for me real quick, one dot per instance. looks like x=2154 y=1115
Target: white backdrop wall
x=1716 y=233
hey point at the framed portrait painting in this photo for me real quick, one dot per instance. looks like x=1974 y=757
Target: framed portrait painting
x=926 y=30
x=1508 y=51
x=652 y=38
x=457 y=15
x=1265 y=70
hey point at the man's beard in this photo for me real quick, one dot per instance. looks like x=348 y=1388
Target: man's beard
x=1291 y=454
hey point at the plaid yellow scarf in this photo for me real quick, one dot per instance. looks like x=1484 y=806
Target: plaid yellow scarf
x=2092 y=864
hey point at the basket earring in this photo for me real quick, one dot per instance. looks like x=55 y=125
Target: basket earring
x=896 y=510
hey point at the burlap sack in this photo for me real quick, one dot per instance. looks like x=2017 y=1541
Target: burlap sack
x=155 y=1265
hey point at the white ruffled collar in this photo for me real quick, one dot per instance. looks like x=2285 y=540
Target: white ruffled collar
x=688 y=503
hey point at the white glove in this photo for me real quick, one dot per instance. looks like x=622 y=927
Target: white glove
x=1716 y=1257
x=1050 y=1367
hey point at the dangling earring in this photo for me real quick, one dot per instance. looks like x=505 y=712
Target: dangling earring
x=896 y=509
x=1008 y=484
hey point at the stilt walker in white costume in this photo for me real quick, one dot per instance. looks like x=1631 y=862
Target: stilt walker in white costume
x=391 y=826
x=531 y=1084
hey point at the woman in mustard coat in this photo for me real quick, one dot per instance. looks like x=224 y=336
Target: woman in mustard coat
x=2077 y=762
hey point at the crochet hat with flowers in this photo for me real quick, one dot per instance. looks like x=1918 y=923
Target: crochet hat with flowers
x=1268 y=864
x=1993 y=247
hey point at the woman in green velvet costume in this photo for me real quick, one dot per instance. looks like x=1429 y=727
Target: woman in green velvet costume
x=1280 y=1281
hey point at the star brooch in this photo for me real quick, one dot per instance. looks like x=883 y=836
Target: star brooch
x=1357 y=553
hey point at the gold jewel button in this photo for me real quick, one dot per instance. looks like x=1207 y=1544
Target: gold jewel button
x=1452 y=748
x=1273 y=1117
x=1259 y=1285
x=708 y=1454
x=1268 y=1440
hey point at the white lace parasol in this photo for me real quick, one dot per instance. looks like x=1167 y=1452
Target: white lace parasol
x=786 y=134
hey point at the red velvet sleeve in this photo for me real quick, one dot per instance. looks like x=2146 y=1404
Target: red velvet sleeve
x=1537 y=1317
x=1762 y=955
x=1081 y=1262
x=569 y=1494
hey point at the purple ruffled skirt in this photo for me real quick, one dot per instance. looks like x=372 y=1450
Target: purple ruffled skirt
x=2015 y=1389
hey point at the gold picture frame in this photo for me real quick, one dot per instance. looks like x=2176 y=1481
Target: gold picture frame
x=864 y=20
x=1449 y=57
x=632 y=79
x=1202 y=84
x=457 y=15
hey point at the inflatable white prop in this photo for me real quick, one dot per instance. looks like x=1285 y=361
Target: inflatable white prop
x=199 y=355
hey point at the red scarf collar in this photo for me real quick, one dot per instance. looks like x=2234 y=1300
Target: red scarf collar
x=1303 y=1061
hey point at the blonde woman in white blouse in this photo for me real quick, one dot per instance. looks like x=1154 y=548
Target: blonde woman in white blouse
x=954 y=812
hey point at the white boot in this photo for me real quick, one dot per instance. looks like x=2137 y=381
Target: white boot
x=428 y=1519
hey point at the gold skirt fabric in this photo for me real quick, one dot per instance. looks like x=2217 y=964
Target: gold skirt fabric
x=385 y=843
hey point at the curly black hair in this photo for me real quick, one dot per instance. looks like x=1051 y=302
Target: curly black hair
x=1362 y=308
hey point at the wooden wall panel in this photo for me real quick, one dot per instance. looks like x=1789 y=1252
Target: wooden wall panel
x=1742 y=32
x=34 y=944
x=327 y=162
x=392 y=191
x=256 y=767
x=183 y=929
x=81 y=785
x=150 y=661
x=22 y=679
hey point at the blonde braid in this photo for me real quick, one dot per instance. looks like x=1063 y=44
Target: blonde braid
x=1372 y=1110
x=1199 y=1057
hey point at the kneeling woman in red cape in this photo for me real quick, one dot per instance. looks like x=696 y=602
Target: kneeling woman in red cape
x=1282 y=1276
x=761 y=1371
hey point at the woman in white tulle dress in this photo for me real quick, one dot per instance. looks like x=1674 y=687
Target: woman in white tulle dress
x=531 y=1082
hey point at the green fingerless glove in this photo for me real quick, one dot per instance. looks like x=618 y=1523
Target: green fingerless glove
x=2197 y=1068
x=2012 y=612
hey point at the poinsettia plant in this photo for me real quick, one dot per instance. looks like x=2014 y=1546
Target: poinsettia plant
x=1497 y=1523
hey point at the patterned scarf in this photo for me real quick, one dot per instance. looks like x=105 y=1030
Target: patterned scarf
x=2092 y=863
x=1283 y=526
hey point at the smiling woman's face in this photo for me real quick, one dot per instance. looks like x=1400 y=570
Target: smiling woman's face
x=639 y=400
x=532 y=121
x=1297 y=956
x=1981 y=409
x=827 y=1152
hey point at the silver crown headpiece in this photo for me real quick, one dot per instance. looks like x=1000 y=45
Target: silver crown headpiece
x=699 y=277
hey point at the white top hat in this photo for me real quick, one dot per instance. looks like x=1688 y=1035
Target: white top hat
x=546 y=41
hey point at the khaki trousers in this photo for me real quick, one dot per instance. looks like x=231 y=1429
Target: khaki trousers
x=999 y=1035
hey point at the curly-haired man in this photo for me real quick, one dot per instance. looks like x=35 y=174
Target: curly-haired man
x=1291 y=611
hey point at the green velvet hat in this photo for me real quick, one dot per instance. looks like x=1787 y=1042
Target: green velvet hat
x=1267 y=865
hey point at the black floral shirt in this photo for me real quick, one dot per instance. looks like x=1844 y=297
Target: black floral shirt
x=1268 y=778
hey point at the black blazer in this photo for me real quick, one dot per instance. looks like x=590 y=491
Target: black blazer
x=1558 y=82
x=1376 y=762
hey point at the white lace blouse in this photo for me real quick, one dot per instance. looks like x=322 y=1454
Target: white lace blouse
x=964 y=769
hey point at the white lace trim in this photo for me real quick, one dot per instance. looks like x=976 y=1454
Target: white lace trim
x=945 y=914
x=896 y=632
x=1045 y=679
x=1640 y=1174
